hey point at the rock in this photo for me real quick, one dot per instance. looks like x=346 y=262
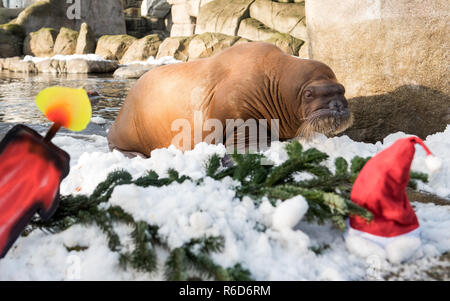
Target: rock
x=85 y=66
x=177 y=47
x=155 y=8
x=142 y=49
x=303 y=53
x=208 y=44
x=23 y=67
x=51 y=66
x=11 y=40
x=86 y=40
x=105 y=17
x=133 y=71
x=40 y=43
x=66 y=41
x=79 y=66
x=222 y=16
x=285 y=42
x=390 y=57
x=8 y=14
x=180 y=14
x=283 y=17
x=182 y=30
x=253 y=29
x=113 y=47
x=9 y=62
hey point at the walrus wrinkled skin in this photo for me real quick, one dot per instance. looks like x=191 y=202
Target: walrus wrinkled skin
x=247 y=81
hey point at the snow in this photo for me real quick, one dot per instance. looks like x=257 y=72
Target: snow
x=165 y=60
x=262 y=238
x=98 y=120
x=60 y=57
x=289 y=213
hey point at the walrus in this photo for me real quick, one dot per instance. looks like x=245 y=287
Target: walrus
x=250 y=81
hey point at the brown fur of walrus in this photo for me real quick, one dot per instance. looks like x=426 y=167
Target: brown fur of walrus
x=247 y=81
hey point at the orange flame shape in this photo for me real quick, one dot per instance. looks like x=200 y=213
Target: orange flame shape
x=68 y=107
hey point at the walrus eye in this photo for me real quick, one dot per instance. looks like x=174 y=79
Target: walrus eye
x=308 y=94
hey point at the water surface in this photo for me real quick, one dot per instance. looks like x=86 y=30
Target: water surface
x=17 y=93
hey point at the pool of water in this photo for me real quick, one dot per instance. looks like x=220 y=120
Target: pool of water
x=17 y=93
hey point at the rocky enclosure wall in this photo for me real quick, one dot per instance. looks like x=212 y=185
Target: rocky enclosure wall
x=392 y=56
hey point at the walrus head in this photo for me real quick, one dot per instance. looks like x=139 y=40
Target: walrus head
x=324 y=108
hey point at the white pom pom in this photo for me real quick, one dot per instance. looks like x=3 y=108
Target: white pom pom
x=289 y=213
x=433 y=163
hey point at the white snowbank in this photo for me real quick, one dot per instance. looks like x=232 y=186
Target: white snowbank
x=252 y=236
x=60 y=57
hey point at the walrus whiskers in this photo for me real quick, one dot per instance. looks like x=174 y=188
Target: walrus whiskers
x=326 y=122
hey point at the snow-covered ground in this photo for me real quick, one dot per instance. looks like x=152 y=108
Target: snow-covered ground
x=185 y=211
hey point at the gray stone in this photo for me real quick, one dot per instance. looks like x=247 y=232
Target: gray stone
x=142 y=49
x=182 y=30
x=40 y=43
x=208 y=44
x=85 y=66
x=177 y=47
x=113 y=47
x=391 y=56
x=66 y=42
x=222 y=16
x=76 y=66
x=155 y=8
x=133 y=71
x=283 y=17
x=253 y=29
x=86 y=40
x=104 y=16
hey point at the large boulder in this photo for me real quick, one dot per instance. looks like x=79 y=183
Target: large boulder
x=177 y=47
x=286 y=42
x=181 y=30
x=113 y=47
x=133 y=71
x=142 y=49
x=155 y=8
x=66 y=41
x=208 y=44
x=393 y=54
x=11 y=40
x=106 y=17
x=283 y=17
x=75 y=66
x=16 y=64
x=40 y=43
x=253 y=29
x=86 y=40
x=222 y=16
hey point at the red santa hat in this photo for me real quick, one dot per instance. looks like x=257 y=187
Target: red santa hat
x=381 y=189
